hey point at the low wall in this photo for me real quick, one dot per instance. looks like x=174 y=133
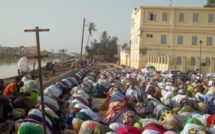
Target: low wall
x=59 y=78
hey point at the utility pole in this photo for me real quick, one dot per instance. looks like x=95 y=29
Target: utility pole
x=37 y=30
x=170 y=3
x=82 y=40
x=200 y=57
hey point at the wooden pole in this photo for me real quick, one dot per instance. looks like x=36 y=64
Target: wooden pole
x=37 y=30
x=82 y=40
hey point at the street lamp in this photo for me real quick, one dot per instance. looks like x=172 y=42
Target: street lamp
x=200 y=56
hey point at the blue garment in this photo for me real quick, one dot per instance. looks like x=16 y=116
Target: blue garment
x=117 y=95
x=69 y=119
x=206 y=97
x=210 y=109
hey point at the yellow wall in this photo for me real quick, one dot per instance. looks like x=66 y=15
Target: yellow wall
x=142 y=28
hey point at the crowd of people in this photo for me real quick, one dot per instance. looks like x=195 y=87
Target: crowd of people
x=134 y=103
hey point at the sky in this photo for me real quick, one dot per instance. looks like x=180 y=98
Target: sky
x=64 y=19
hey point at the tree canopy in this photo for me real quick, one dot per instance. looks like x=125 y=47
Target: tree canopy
x=210 y=3
x=124 y=46
x=107 y=46
x=91 y=28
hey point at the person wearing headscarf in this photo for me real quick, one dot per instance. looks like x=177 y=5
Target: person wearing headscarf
x=115 y=126
x=87 y=127
x=93 y=115
x=176 y=99
x=154 y=128
x=210 y=109
x=76 y=124
x=172 y=122
x=132 y=93
x=130 y=117
x=128 y=130
x=82 y=116
x=101 y=129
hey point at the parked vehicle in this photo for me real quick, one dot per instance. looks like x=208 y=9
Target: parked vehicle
x=174 y=75
x=210 y=75
x=149 y=69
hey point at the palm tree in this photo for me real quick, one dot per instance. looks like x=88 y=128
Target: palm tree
x=91 y=28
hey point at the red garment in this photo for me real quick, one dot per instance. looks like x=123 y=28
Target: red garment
x=156 y=127
x=111 y=114
x=211 y=120
x=128 y=130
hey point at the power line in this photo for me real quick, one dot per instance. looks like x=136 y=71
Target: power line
x=73 y=10
x=98 y=29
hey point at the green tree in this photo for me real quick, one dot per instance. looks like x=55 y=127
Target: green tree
x=107 y=46
x=91 y=28
x=124 y=46
x=63 y=51
x=210 y=3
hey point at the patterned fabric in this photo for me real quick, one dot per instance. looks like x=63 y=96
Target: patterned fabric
x=164 y=114
x=85 y=102
x=154 y=126
x=115 y=126
x=187 y=109
x=113 y=115
x=130 y=117
x=101 y=129
x=202 y=107
x=87 y=126
x=145 y=122
x=203 y=119
x=128 y=130
x=194 y=121
x=38 y=114
x=117 y=95
x=172 y=122
x=189 y=127
x=76 y=124
x=105 y=104
x=39 y=125
x=159 y=110
x=50 y=101
x=194 y=131
x=116 y=103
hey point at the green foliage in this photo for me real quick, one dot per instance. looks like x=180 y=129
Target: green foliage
x=210 y=3
x=124 y=46
x=106 y=46
x=91 y=28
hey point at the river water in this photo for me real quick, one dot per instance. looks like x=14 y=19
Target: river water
x=9 y=67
